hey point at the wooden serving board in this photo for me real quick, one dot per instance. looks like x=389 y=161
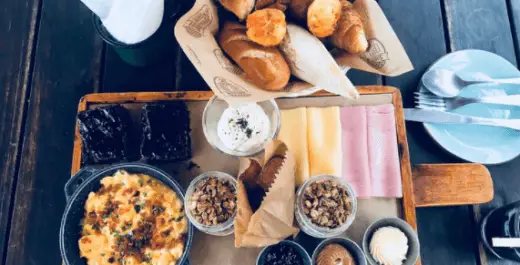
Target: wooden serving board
x=432 y=185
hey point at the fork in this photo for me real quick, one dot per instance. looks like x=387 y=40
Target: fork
x=425 y=100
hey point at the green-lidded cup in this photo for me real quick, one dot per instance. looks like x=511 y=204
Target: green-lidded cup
x=149 y=51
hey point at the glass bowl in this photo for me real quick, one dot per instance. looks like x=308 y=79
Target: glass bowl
x=211 y=116
x=224 y=229
x=307 y=225
x=303 y=253
x=352 y=247
x=413 y=253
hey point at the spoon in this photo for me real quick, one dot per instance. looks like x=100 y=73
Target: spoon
x=448 y=84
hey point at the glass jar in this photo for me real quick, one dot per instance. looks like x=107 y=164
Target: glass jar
x=211 y=117
x=224 y=229
x=307 y=225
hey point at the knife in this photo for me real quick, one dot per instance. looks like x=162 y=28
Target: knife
x=437 y=116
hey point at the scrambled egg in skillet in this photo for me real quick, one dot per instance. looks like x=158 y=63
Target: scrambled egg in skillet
x=133 y=220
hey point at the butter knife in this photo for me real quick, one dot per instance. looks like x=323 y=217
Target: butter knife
x=437 y=116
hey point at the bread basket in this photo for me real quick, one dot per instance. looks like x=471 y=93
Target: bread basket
x=196 y=31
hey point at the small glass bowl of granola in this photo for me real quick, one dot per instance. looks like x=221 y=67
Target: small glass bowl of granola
x=211 y=203
x=325 y=206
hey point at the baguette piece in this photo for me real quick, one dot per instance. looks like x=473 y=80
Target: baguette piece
x=349 y=34
x=264 y=66
x=266 y=27
x=322 y=17
x=241 y=8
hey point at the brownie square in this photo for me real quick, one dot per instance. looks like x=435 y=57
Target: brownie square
x=166 y=132
x=105 y=134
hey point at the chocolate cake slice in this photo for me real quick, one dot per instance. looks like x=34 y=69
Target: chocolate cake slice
x=105 y=134
x=166 y=132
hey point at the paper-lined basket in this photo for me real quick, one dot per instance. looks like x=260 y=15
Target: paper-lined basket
x=197 y=29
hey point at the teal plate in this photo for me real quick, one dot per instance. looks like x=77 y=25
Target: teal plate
x=479 y=143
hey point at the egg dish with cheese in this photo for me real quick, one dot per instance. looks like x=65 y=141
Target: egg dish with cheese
x=133 y=219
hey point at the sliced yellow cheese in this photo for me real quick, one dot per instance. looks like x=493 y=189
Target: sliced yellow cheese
x=293 y=132
x=324 y=141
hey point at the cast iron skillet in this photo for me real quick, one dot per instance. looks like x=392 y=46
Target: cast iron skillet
x=76 y=192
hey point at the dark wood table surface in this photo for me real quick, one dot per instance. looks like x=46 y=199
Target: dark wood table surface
x=50 y=56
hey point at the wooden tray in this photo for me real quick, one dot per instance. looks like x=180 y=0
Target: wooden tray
x=433 y=183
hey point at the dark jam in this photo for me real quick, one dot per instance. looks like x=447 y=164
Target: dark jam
x=282 y=254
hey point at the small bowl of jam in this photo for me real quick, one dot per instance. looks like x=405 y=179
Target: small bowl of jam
x=286 y=252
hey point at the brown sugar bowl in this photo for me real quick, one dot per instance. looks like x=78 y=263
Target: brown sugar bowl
x=325 y=206
x=356 y=254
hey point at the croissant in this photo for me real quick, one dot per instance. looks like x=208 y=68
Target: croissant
x=322 y=17
x=349 y=34
x=241 y=8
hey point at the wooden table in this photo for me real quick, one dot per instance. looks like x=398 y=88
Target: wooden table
x=50 y=56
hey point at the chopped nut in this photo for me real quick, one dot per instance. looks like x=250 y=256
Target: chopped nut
x=213 y=201
x=327 y=203
x=314 y=214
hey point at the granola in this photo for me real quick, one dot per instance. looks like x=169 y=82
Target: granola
x=327 y=203
x=213 y=201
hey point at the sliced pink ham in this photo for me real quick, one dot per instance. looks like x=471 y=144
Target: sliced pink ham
x=354 y=143
x=370 y=156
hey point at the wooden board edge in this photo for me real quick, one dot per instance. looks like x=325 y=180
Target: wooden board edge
x=146 y=96
x=76 y=153
x=481 y=250
x=198 y=95
x=404 y=159
x=454 y=184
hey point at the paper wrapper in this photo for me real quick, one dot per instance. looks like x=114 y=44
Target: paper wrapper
x=311 y=62
x=272 y=222
x=197 y=29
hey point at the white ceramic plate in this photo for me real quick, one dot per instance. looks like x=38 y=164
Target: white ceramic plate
x=479 y=143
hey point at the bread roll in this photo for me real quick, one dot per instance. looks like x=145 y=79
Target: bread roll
x=264 y=66
x=269 y=172
x=349 y=34
x=281 y=5
x=322 y=17
x=298 y=9
x=266 y=27
x=251 y=174
x=241 y=8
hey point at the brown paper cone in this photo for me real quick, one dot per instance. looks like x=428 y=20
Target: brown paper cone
x=273 y=221
x=244 y=213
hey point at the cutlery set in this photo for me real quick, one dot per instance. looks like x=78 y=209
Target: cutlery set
x=438 y=116
x=444 y=87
